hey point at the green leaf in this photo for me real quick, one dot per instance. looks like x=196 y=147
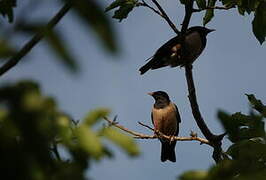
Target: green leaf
x=123 y=141
x=257 y=104
x=6 y=9
x=94 y=116
x=259 y=22
x=114 y=4
x=123 y=11
x=194 y=175
x=94 y=16
x=89 y=142
x=209 y=13
x=201 y=4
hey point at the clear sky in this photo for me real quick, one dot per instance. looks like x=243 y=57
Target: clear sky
x=232 y=64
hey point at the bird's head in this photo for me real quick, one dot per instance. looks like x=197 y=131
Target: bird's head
x=160 y=96
x=202 y=30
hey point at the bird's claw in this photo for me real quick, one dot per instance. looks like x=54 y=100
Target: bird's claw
x=172 y=139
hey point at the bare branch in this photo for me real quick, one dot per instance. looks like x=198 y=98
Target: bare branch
x=161 y=135
x=214 y=139
x=215 y=7
x=29 y=45
x=171 y=24
x=161 y=13
x=144 y=4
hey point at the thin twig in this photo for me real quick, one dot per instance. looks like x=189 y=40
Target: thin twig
x=161 y=13
x=125 y=129
x=161 y=135
x=215 y=7
x=29 y=45
x=168 y=20
x=144 y=4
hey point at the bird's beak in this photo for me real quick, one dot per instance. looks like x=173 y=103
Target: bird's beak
x=150 y=93
x=211 y=30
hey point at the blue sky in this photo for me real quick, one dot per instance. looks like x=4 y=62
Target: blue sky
x=232 y=64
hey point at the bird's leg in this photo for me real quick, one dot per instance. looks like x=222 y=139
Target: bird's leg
x=172 y=139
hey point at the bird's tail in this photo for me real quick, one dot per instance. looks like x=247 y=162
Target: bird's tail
x=168 y=152
x=146 y=67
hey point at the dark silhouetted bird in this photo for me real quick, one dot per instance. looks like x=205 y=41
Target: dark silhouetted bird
x=169 y=54
x=165 y=118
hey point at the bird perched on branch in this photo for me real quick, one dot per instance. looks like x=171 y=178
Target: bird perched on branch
x=165 y=118
x=173 y=54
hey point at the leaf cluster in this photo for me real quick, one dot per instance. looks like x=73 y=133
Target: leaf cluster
x=246 y=157
x=34 y=131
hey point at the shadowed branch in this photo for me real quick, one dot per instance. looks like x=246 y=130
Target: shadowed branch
x=35 y=39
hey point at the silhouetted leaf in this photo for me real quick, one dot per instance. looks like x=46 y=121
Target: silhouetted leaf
x=247 y=5
x=125 y=142
x=241 y=127
x=6 y=9
x=259 y=22
x=209 y=13
x=94 y=16
x=254 y=148
x=125 y=7
x=257 y=104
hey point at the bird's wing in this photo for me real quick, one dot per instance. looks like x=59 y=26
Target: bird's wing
x=178 y=118
x=167 y=47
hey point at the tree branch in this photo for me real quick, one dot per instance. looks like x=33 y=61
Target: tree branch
x=161 y=13
x=157 y=134
x=214 y=139
x=194 y=104
x=215 y=7
x=144 y=4
x=29 y=45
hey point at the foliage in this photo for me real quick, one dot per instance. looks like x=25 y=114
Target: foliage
x=257 y=7
x=246 y=157
x=33 y=130
x=88 y=11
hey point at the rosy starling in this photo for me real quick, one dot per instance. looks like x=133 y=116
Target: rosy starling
x=165 y=118
x=169 y=54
